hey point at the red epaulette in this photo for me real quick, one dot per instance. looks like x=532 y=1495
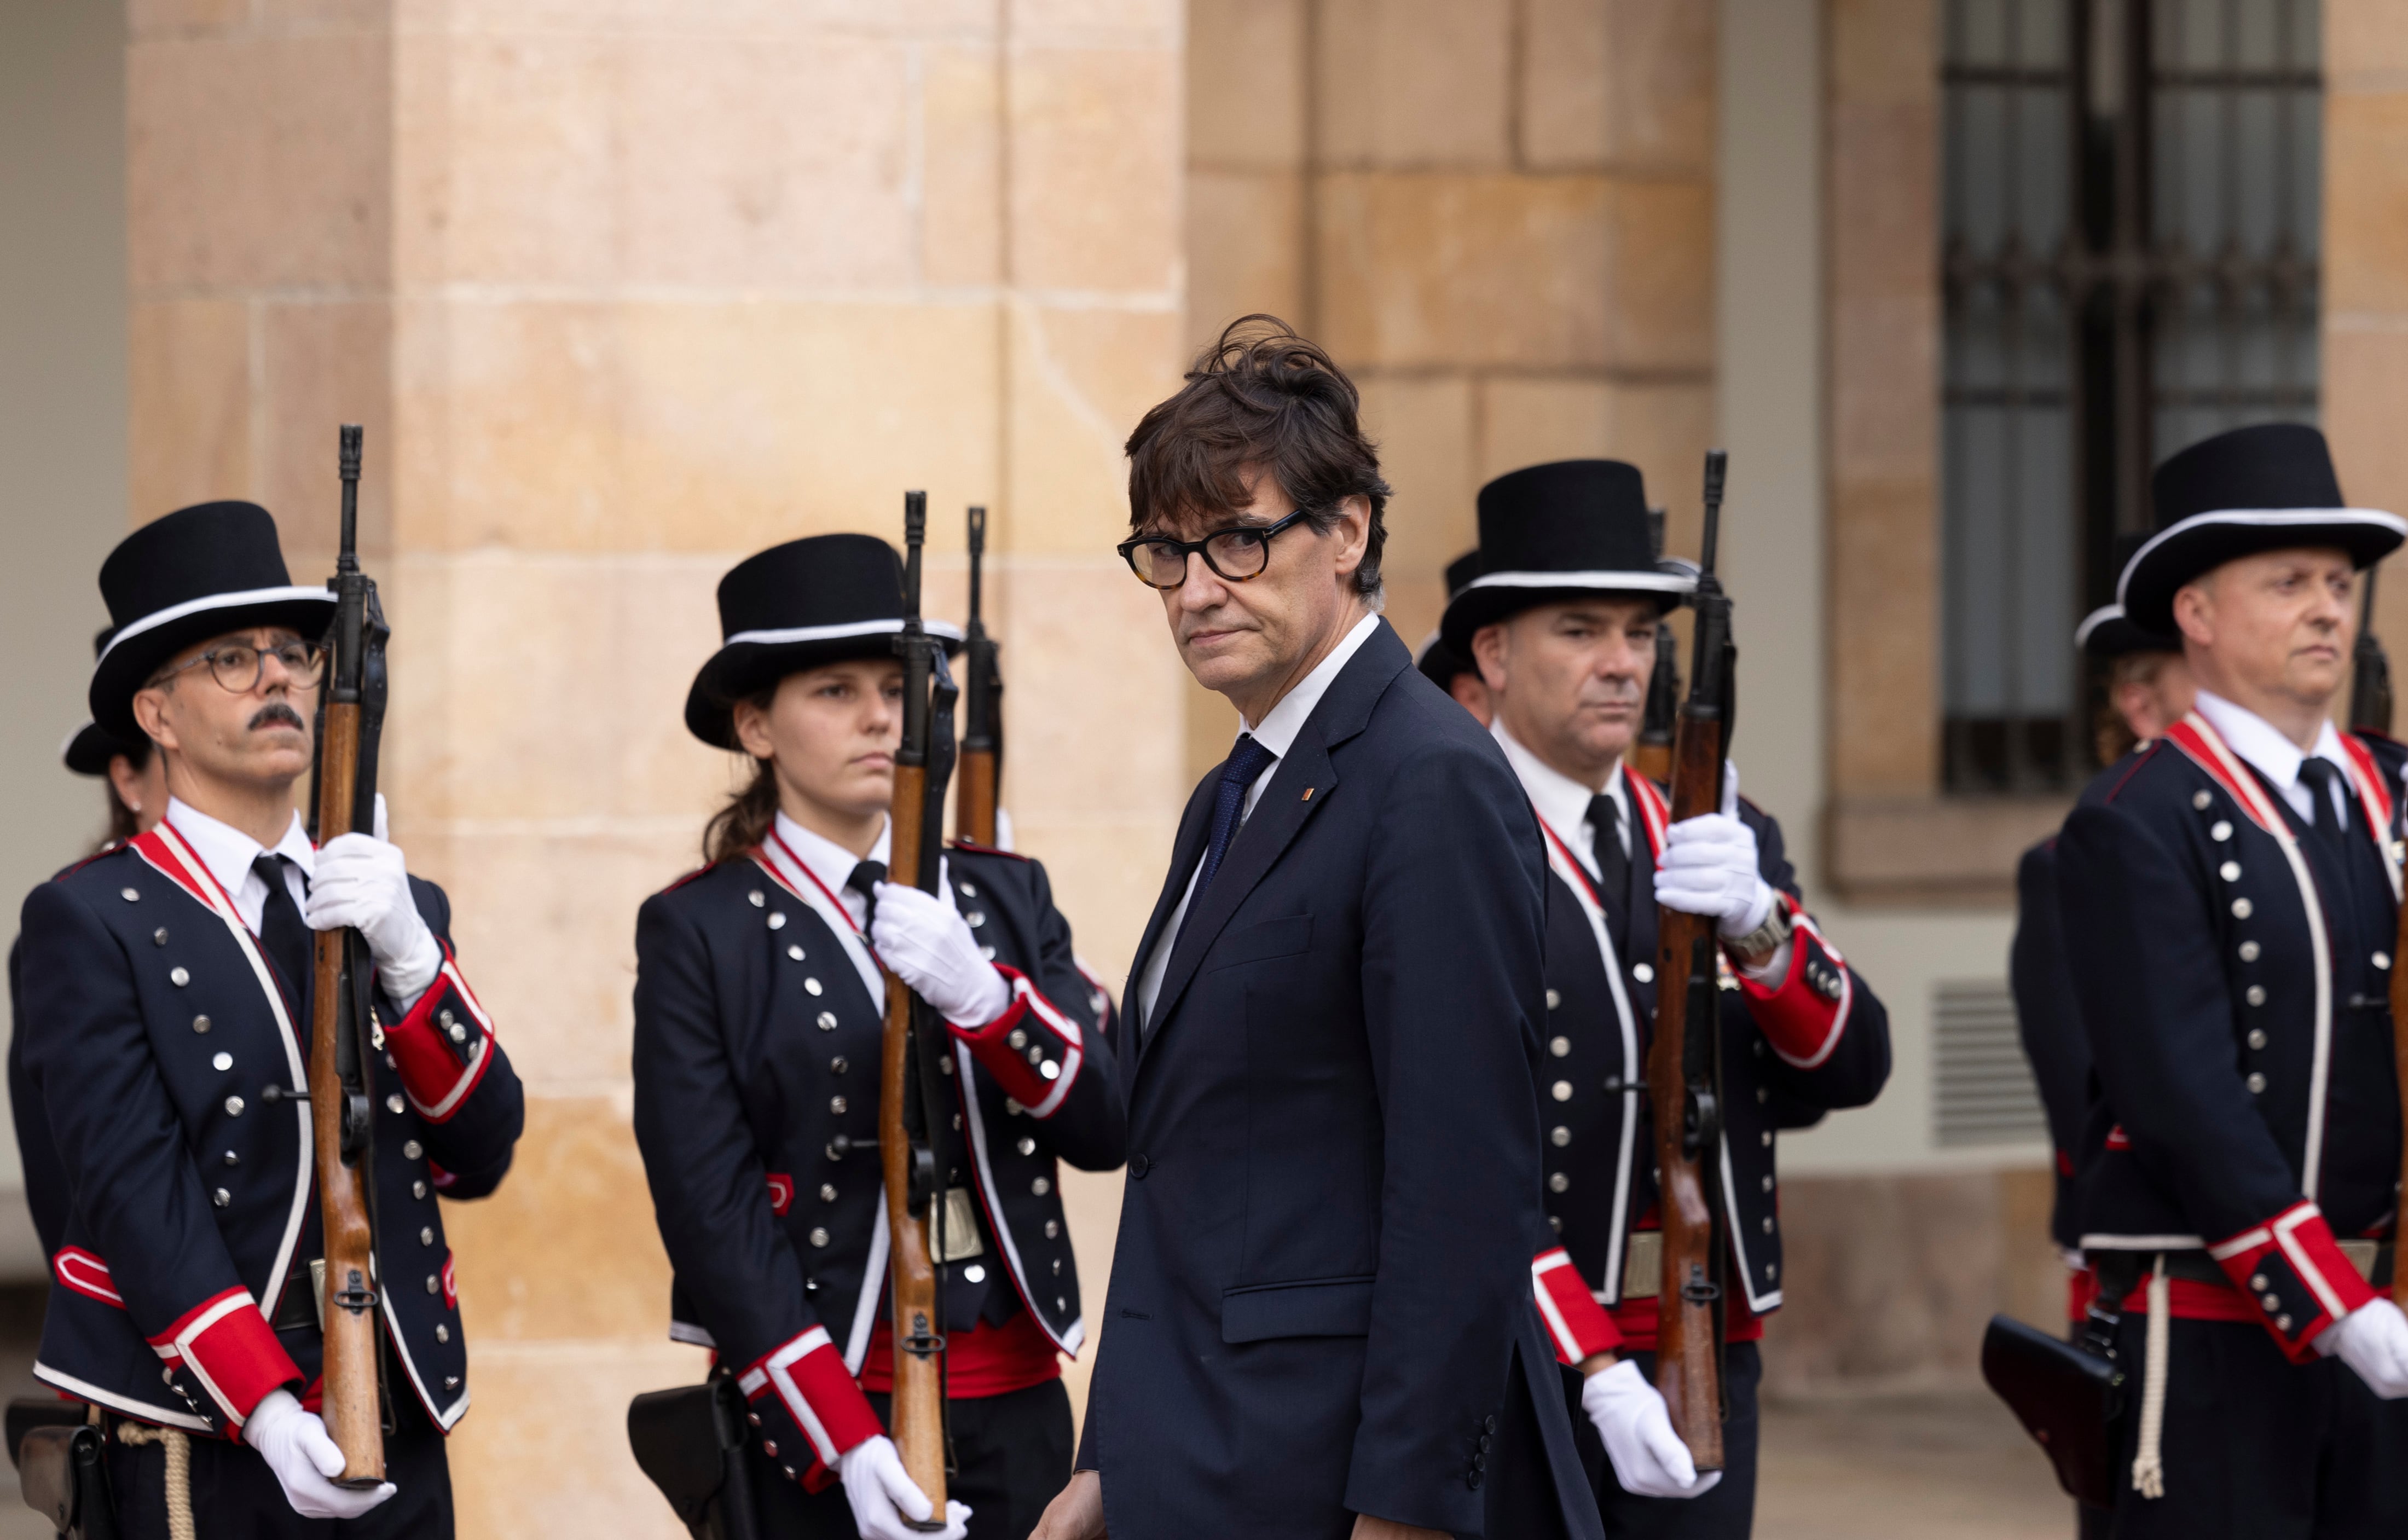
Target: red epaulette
x=976 y=849
x=2137 y=760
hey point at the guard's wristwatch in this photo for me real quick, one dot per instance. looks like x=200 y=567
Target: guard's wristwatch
x=1761 y=943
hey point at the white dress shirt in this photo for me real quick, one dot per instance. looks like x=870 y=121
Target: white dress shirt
x=1276 y=732
x=228 y=852
x=831 y=864
x=2257 y=740
x=1562 y=802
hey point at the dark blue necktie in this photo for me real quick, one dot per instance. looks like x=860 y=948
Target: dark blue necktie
x=2322 y=777
x=1246 y=761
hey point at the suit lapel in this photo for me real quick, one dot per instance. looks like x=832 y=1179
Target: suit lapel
x=1279 y=814
x=1194 y=828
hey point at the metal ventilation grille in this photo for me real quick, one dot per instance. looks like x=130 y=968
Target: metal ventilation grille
x=1985 y=1090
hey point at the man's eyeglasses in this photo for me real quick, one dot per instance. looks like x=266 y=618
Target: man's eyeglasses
x=1235 y=555
x=238 y=666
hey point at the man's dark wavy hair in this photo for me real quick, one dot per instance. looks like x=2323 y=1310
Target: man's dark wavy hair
x=1260 y=397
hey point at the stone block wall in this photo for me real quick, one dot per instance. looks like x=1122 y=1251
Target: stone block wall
x=623 y=291
x=1496 y=214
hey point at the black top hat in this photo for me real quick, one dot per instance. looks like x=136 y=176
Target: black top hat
x=818 y=601
x=2266 y=488
x=1568 y=529
x=88 y=750
x=200 y=572
x=2106 y=633
x=1439 y=662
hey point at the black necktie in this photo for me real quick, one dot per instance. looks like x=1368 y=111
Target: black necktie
x=864 y=881
x=2322 y=777
x=1612 y=864
x=290 y=945
x=1246 y=761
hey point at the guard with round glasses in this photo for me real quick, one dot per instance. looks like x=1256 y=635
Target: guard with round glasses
x=165 y=986
x=2231 y=909
x=1562 y=622
x=760 y=999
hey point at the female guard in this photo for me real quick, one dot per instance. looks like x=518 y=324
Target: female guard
x=759 y=1001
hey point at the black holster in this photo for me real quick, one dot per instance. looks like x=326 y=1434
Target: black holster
x=690 y=1442
x=62 y=1466
x=2069 y=1395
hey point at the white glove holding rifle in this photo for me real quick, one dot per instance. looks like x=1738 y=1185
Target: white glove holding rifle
x=924 y=941
x=1648 y=1458
x=882 y=1494
x=363 y=882
x=297 y=1448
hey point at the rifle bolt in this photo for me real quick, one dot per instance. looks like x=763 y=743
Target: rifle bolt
x=776 y=919
x=1558 y=1182
x=427 y=1235
x=1040 y=1187
x=1560 y=1136
x=1026 y=1146
x=811 y=988
x=442 y=1331
x=1562 y=1090
x=838 y=1105
x=819 y=1237
x=840 y=1064
x=234 y=1106
x=222 y=1062
x=179 y=977
x=1644 y=972
x=795 y=953
x=756 y=897
x=1560 y=1047
x=412 y=1149
x=221 y=1197
x=159 y=936
x=826 y=1022
x=418 y=1190
x=393 y=1104
x=201 y=1023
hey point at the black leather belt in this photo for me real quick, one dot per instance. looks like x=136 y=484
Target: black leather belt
x=2372 y=1259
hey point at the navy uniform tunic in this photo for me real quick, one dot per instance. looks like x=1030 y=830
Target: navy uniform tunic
x=756 y=1066
x=154 y=1028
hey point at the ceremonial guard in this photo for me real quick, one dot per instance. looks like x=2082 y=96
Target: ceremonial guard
x=2231 y=903
x=166 y=988
x=1562 y=622
x=760 y=997
x=1440 y=664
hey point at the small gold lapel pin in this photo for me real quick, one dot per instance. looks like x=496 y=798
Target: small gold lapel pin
x=1307 y=794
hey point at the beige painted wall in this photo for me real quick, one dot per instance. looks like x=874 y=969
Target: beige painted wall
x=623 y=292
x=61 y=439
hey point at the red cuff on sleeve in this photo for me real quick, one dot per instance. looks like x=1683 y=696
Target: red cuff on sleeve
x=1033 y=1050
x=442 y=1047
x=1804 y=1015
x=231 y=1351
x=2295 y=1274
x=1576 y=1323
x=808 y=1377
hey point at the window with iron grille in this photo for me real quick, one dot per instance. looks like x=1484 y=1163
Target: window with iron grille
x=2128 y=260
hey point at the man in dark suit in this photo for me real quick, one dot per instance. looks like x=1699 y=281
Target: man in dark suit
x=1321 y=1284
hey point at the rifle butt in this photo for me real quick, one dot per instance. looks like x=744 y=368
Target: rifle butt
x=917 y=1422
x=350 y=1407
x=975 y=799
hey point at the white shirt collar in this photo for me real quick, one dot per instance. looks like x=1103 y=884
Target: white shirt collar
x=831 y=864
x=1283 y=722
x=2257 y=740
x=228 y=852
x=1562 y=802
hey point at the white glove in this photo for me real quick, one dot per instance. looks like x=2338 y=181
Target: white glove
x=883 y=1494
x=294 y=1442
x=2372 y=1340
x=923 y=938
x=363 y=882
x=1649 y=1459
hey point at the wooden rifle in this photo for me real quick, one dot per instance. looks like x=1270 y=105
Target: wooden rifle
x=1651 y=757
x=981 y=787
x=350 y=725
x=1685 y=1058
x=911 y=1117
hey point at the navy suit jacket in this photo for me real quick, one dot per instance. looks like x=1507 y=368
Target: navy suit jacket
x=1323 y=1270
